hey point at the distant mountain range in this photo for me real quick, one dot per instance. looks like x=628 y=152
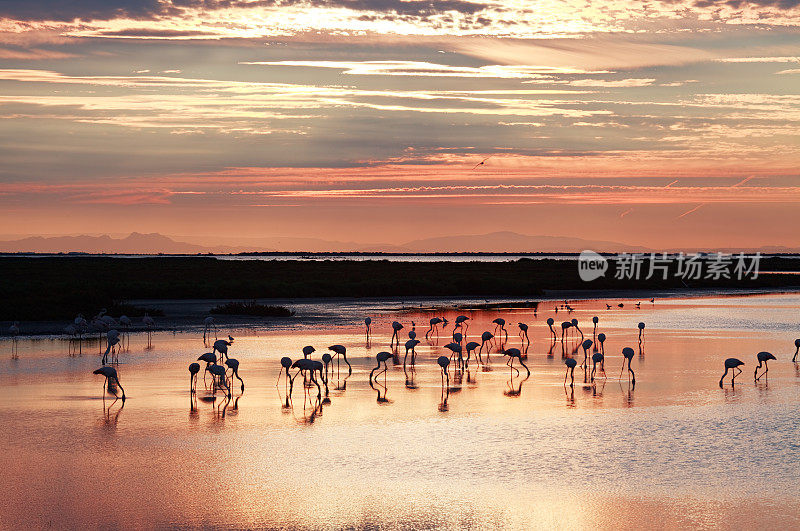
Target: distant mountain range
x=135 y=243
x=495 y=242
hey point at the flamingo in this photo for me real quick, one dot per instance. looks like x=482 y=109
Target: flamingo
x=112 y=342
x=208 y=324
x=340 y=350
x=550 y=325
x=731 y=364
x=125 y=322
x=470 y=347
x=218 y=373
x=233 y=365
x=411 y=345
x=396 y=326
x=486 y=336
x=109 y=321
x=368 y=324
x=571 y=363
x=455 y=348
x=304 y=365
x=514 y=353
x=627 y=354
x=595 y=320
x=286 y=364
x=523 y=332
x=797 y=349
x=461 y=320
x=641 y=330
x=412 y=334
x=601 y=338
x=762 y=357
x=458 y=338
x=308 y=350
x=598 y=357
x=148 y=322
x=444 y=362
x=434 y=326
x=565 y=325
x=110 y=373
x=211 y=359
x=381 y=357
x=587 y=344
x=500 y=324
x=194 y=368
x=575 y=325
x=221 y=346
x=326 y=360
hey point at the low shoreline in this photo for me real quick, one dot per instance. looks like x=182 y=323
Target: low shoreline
x=186 y=315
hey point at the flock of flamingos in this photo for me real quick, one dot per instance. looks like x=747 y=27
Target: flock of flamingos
x=224 y=369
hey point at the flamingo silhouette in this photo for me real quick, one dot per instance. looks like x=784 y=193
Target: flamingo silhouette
x=461 y=320
x=194 y=368
x=523 y=333
x=514 y=353
x=455 y=348
x=221 y=346
x=587 y=344
x=286 y=364
x=411 y=345
x=565 y=326
x=627 y=354
x=598 y=357
x=731 y=364
x=218 y=373
x=368 y=325
x=797 y=349
x=434 y=322
x=550 y=325
x=341 y=351
x=444 y=362
x=381 y=357
x=571 y=363
x=470 y=348
x=595 y=320
x=308 y=368
x=500 y=324
x=601 y=338
x=396 y=326
x=308 y=350
x=575 y=325
x=486 y=336
x=762 y=357
x=110 y=373
x=233 y=365
x=641 y=331
x=111 y=344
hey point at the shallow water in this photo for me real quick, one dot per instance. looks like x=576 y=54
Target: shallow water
x=502 y=451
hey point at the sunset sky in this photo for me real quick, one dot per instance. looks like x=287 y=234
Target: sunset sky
x=660 y=123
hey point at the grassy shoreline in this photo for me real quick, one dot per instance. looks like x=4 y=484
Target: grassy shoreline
x=42 y=288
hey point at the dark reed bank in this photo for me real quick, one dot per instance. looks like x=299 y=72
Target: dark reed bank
x=41 y=288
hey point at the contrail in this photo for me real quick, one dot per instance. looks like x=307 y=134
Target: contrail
x=695 y=209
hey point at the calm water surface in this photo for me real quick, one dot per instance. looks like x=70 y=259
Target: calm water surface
x=498 y=451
